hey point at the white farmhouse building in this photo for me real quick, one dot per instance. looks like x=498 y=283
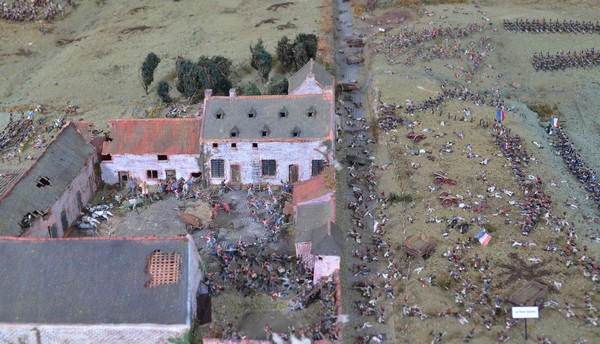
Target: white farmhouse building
x=151 y=149
x=258 y=139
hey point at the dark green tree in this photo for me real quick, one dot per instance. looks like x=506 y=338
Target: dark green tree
x=208 y=73
x=285 y=54
x=305 y=48
x=278 y=87
x=163 y=92
x=147 y=70
x=222 y=71
x=261 y=60
x=250 y=89
x=188 y=77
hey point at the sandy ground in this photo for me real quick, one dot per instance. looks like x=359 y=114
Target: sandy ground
x=93 y=55
x=519 y=84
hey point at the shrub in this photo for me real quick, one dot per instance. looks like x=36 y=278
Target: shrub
x=147 y=70
x=163 y=91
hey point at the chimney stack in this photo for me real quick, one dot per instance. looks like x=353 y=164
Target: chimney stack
x=232 y=93
x=207 y=93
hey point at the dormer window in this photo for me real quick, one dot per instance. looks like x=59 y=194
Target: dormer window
x=296 y=132
x=251 y=113
x=234 y=132
x=265 y=131
x=283 y=113
x=311 y=112
x=43 y=182
x=220 y=114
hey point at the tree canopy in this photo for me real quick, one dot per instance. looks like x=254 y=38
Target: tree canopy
x=147 y=70
x=305 y=48
x=285 y=54
x=250 y=89
x=163 y=92
x=261 y=60
x=208 y=72
x=278 y=87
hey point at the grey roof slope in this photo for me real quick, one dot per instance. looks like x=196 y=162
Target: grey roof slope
x=235 y=114
x=326 y=244
x=88 y=281
x=60 y=163
x=322 y=76
x=311 y=217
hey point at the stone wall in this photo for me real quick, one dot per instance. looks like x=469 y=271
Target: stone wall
x=69 y=202
x=284 y=153
x=137 y=165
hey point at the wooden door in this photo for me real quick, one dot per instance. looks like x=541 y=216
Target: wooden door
x=235 y=174
x=293 y=174
x=123 y=177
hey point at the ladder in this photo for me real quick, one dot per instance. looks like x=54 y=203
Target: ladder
x=256 y=173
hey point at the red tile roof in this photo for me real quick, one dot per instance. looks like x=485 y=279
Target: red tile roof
x=154 y=136
x=315 y=187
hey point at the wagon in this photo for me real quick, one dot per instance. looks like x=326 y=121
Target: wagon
x=531 y=294
x=355 y=42
x=354 y=59
x=418 y=246
x=347 y=87
x=192 y=223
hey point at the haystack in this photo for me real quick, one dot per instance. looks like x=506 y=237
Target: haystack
x=201 y=210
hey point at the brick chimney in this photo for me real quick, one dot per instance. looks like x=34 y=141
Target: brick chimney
x=232 y=93
x=207 y=93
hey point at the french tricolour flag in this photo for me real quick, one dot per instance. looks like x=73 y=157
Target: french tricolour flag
x=483 y=237
x=500 y=115
x=555 y=122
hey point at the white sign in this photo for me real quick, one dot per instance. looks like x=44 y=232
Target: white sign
x=525 y=313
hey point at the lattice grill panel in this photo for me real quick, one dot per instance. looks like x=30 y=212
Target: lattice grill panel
x=163 y=268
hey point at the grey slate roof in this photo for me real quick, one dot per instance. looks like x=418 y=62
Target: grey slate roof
x=60 y=163
x=312 y=217
x=88 y=281
x=235 y=114
x=326 y=244
x=322 y=76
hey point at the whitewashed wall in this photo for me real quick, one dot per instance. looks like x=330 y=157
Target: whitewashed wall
x=85 y=183
x=310 y=86
x=325 y=266
x=88 y=334
x=285 y=154
x=137 y=165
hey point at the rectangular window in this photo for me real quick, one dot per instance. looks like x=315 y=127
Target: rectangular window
x=171 y=174
x=152 y=174
x=269 y=168
x=317 y=167
x=162 y=157
x=234 y=145
x=217 y=168
x=254 y=145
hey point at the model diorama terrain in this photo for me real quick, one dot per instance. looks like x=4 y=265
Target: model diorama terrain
x=308 y=171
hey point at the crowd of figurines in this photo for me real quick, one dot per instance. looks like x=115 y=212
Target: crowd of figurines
x=562 y=61
x=578 y=167
x=32 y=10
x=251 y=268
x=543 y=26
